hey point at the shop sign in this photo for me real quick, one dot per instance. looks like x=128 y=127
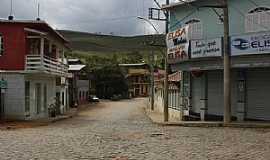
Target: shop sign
x=258 y=43
x=178 y=44
x=206 y=48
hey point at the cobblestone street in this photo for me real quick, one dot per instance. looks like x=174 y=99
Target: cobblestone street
x=121 y=131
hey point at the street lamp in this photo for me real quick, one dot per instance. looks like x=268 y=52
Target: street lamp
x=147 y=20
x=152 y=65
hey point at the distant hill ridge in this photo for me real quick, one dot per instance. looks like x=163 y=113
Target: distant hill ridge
x=90 y=42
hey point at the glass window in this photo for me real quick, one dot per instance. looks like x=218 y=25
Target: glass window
x=257 y=20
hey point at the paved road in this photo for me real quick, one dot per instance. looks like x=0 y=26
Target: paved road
x=121 y=131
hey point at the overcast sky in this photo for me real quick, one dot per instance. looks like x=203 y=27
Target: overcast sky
x=105 y=16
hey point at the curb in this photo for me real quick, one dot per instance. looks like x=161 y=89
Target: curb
x=251 y=125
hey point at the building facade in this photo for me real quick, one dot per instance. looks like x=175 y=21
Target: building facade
x=195 y=47
x=79 y=83
x=32 y=63
x=138 y=78
x=174 y=98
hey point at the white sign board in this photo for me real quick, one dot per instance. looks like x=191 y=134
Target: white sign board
x=178 y=44
x=206 y=48
x=258 y=43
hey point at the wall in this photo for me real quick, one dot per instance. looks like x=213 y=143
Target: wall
x=51 y=94
x=14 y=96
x=212 y=27
x=83 y=87
x=13 y=57
x=174 y=115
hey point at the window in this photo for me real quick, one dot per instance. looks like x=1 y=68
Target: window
x=195 y=29
x=45 y=97
x=63 y=98
x=27 y=98
x=257 y=20
x=1 y=45
x=38 y=97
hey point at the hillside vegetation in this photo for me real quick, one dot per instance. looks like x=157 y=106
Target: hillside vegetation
x=103 y=53
x=104 y=44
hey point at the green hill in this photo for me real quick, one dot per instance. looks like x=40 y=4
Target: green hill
x=93 y=43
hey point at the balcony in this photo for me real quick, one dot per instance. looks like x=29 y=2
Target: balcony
x=45 y=64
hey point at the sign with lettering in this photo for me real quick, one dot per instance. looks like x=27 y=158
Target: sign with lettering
x=178 y=44
x=258 y=43
x=206 y=48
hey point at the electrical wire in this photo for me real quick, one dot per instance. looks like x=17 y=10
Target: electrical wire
x=180 y=21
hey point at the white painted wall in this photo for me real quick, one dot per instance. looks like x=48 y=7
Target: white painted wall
x=14 y=96
x=83 y=86
x=51 y=94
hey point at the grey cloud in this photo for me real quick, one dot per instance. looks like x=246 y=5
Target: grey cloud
x=118 y=16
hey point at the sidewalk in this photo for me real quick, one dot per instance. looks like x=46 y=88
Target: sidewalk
x=158 y=119
x=11 y=125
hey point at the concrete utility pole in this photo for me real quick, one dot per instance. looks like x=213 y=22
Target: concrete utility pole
x=166 y=85
x=227 y=65
x=152 y=81
x=152 y=103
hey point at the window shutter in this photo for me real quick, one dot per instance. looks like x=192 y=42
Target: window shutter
x=257 y=20
x=265 y=20
x=195 y=30
x=249 y=23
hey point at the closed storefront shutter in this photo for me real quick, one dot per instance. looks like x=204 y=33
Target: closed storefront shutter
x=258 y=94
x=196 y=94
x=215 y=93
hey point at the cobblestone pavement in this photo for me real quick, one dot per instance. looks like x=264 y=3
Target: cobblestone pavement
x=121 y=131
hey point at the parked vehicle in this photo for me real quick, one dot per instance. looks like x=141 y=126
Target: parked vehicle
x=116 y=97
x=93 y=98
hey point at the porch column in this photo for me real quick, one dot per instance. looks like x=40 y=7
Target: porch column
x=42 y=51
x=204 y=96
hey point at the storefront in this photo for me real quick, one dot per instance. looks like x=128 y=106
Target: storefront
x=250 y=77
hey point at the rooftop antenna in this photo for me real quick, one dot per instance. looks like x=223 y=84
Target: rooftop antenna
x=38 y=11
x=11 y=17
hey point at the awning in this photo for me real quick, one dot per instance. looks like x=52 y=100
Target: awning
x=76 y=67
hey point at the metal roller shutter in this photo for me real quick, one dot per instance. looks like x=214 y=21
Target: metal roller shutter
x=258 y=94
x=215 y=93
x=196 y=94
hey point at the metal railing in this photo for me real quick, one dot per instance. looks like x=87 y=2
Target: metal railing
x=46 y=64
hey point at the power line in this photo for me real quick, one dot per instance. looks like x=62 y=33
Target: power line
x=180 y=21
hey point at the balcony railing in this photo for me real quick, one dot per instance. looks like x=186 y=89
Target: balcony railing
x=37 y=63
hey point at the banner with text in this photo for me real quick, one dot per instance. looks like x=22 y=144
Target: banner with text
x=206 y=48
x=178 y=44
x=258 y=43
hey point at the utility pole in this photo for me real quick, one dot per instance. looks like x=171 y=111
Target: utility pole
x=152 y=81
x=227 y=65
x=166 y=85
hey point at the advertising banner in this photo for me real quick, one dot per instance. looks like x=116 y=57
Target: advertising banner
x=178 y=44
x=258 y=43
x=206 y=48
